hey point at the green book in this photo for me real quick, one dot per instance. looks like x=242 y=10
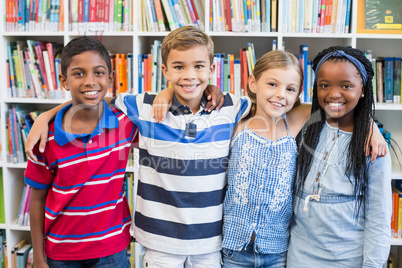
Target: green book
x=383 y=14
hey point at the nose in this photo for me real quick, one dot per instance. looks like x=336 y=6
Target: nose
x=335 y=93
x=280 y=92
x=89 y=80
x=189 y=74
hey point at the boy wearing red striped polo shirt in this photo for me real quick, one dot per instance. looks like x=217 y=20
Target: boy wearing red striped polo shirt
x=79 y=212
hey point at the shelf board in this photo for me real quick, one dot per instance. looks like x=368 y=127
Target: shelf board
x=379 y=36
x=17 y=227
x=17 y=165
x=396 y=241
x=396 y=172
x=35 y=100
x=317 y=35
x=33 y=34
x=388 y=106
x=90 y=33
x=242 y=34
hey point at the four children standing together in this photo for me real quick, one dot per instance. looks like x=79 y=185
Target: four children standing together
x=184 y=200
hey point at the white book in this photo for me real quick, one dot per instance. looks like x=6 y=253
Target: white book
x=308 y=15
x=237 y=78
x=48 y=72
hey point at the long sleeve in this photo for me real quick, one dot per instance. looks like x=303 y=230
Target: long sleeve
x=378 y=208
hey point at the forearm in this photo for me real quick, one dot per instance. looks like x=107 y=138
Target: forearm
x=37 y=220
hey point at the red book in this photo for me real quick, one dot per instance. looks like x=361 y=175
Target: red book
x=244 y=70
x=92 y=14
x=80 y=11
x=39 y=47
x=50 y=51
x=228 y=15
x=149 y=70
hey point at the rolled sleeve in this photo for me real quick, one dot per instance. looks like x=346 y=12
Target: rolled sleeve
x=378 y=208
x=38 y=173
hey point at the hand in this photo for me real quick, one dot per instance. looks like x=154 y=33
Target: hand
x=39 y=131
x=161 y=105
x=215 y=98
x=378 y=147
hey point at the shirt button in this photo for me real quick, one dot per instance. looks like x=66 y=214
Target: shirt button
x=90 y=142
x=186 y=111
x=254 y=225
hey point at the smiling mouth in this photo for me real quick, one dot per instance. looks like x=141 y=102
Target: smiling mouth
x=276 y=104
x=189 y=87
x=91 y=93
x=335 y=104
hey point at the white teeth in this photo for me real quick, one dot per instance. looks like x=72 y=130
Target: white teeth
x=189 y=87
x=90 y=93
x=277 y=104
x=335 y=104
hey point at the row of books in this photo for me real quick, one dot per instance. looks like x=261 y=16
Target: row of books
x=33 y=69
x=34 y=15
x=243 y=16
x=101 y=15
x=21 y=255
x=18 y=125
x=165 y=15
x=23 y=212
x=122 y=70
x=316 y=16
x=387 y=81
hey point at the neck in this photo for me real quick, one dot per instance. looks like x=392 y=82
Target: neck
x=79 y=119
x=267 y=127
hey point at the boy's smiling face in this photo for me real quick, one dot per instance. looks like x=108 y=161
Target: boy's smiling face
x=188 y=72
x=87 y=79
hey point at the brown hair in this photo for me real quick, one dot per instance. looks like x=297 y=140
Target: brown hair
x=185 y=38
x=275 y=59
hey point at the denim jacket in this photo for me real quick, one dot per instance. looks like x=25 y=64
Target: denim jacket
x=326 y=233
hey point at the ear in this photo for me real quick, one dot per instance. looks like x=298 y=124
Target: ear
x=111 y=78
x=165 y=72
x=362 y=94
x=211 y=70
x=252 y=83
x=63 y=82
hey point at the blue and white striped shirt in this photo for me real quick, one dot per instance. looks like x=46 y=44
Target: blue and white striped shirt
x=182 y=173
x=259 y=195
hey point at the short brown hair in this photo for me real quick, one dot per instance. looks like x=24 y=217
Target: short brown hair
x=185 y=38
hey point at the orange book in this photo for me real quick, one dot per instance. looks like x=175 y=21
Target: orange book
x=117 y=73
x=159 y=15
x=394 y=218
x=244 y=70
x=328 y=14
x=61 y=16
x=231 y=74
x=122 y=74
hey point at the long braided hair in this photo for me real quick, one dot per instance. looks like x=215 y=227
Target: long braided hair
x=357 y=164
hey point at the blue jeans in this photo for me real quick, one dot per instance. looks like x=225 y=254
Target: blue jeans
x=118 y=260
x=248 y=258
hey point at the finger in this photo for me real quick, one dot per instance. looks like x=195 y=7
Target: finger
x=42 y=143
x=222 y=100
x=30 y=154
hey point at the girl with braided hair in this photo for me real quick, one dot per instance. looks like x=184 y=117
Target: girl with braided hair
x=342 y=200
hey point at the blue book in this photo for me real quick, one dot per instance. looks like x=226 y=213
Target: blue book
x=347 y=20
x=140 y=73
x=222 y=70
x=389 y=79
x=304 y=52
x=85 y=11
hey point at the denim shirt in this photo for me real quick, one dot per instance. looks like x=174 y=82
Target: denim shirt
x=326 y=233
x=259 y=195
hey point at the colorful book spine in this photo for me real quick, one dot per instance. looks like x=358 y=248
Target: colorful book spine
x=389 y=79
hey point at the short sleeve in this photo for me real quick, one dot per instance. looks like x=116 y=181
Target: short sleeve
x=38 y=173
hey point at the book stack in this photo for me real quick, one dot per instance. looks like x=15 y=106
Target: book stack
x=316 y=16
x=396 y=219
x=18 y=125
x=387 y=81
x=122 y=69
x=101 y=15
x=167 y=15
x=150 y=77
x=33 y=68
x=23 y=212
x=34 y=15
x=243 y=16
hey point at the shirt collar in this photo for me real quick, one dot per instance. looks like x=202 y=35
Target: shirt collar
x=108 y=121
x=178 y=108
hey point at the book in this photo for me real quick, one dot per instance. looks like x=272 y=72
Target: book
x=394 y=216
x=383 y=14
x=399 y=221
x=397 y=80
x=389 y=79
x=380 y=81
x=22 y=255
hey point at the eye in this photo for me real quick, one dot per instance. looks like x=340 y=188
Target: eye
x=323 y=85
x=291 y=89
x=99 y=73
x=78 y=74
x=271 y=84
x=347 y=86
x=199 y=66
x=178 y=68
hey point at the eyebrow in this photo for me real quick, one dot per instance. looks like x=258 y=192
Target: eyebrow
x=98 y=66
x=180 y=62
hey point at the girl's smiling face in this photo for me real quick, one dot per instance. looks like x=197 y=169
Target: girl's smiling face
x=339 y=88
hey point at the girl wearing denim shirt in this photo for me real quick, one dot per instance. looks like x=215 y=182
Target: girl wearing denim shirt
x=258 y=202
x=342 y=201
